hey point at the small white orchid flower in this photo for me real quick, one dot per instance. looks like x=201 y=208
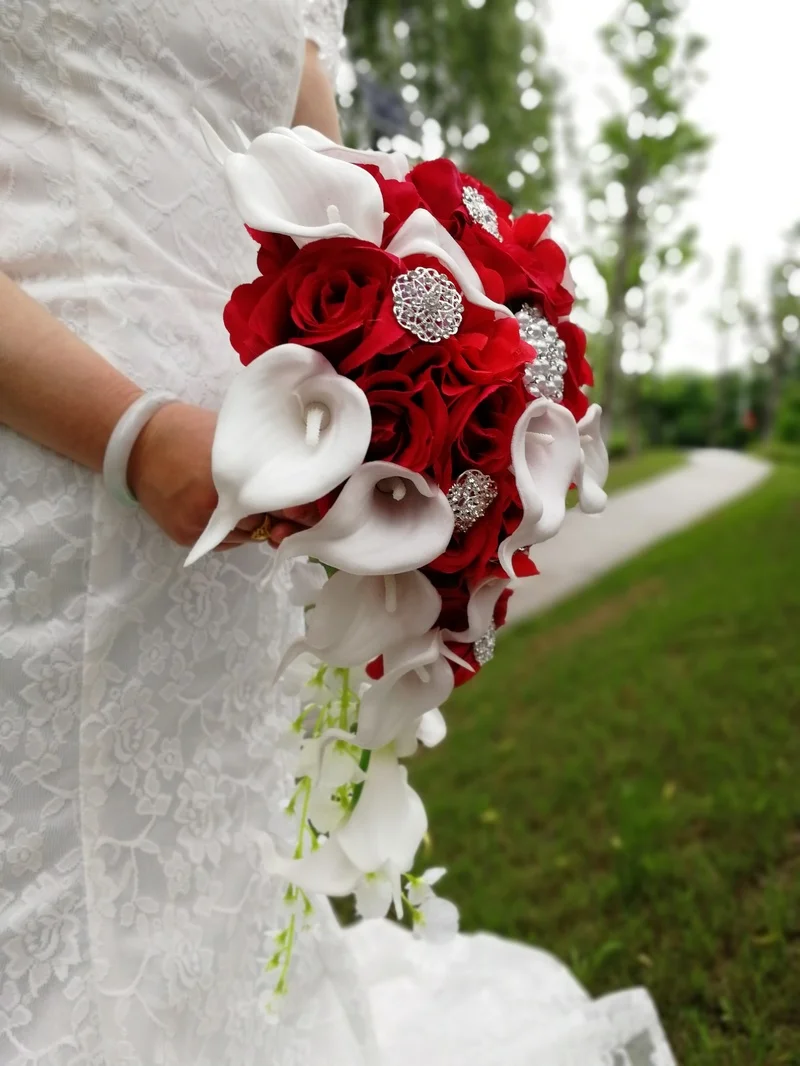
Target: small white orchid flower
x=290 y=429
x=430 y=730
x=376 y=892
x=386 y=520
x=356 y=618
x=417 y=679
x=306 y=580
x=593 y=469
x=280 y=184
x=545 y=456
x=422 y=234
x=436 y=920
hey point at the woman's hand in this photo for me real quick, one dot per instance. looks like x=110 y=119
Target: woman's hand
x=169 y=473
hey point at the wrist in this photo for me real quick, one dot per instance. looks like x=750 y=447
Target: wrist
x=122 y=444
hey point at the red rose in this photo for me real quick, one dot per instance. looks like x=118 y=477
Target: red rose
x=409 y=419
x=472 y=554
x=485 y=351
x=544 y=264
x=579 y=372
x=335 y=296
x=439 y=185
x=482 y=422
x=400 y=201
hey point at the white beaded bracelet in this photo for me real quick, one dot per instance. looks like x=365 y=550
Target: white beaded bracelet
x=122 y=439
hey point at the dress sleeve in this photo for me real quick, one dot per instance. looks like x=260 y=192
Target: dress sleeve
x=323 y=23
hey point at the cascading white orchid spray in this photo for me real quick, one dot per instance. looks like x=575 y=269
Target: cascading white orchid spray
x=293 y=430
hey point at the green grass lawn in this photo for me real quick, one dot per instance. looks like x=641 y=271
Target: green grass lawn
x=621 y=785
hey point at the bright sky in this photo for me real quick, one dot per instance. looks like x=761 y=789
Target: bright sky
x=750 y=193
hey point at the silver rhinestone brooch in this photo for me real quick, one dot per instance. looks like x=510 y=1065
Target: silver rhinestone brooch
x=427 y=304
x=480 y=212
x=470 y=497
x=544 y=377
x=483 y=648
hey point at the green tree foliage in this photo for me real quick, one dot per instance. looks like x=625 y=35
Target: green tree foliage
x=466 y=78
x=642 y=169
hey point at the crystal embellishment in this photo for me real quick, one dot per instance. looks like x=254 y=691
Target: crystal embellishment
x=480 y=212
x=544 y=377
x=483 y=648
x=427 y=304
x=470 y=498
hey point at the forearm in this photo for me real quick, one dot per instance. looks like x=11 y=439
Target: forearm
x=54 y=388
x=316 y=103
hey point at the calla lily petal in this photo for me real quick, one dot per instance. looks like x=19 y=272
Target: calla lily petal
x=532 y=505
x=389 y=821
x=432 y=728
x=327 y=870
x=553 y=455
x=356 y=618
x=545 y=453
x=386 y=520
x=262 y=459
x=480 y=611
x=422 y=234
x=418 y=679
x=280 y=185
x=594 y=462
x=391 y=164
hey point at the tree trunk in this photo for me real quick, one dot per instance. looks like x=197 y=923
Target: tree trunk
x=779 y=368
x=612 y=393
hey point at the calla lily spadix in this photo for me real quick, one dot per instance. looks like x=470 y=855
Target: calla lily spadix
x=593 y=469
x=417 y=679
x=480 y=611
x=545 y=455
x=386 y=520
x=421 y=234
x=353 y=620
x=262 y=458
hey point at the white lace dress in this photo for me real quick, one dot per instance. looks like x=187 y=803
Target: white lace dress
x=139 y=756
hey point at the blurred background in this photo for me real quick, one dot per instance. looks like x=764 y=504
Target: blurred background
x=620 y=784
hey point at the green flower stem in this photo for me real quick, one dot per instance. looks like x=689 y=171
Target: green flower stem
x=364 y=765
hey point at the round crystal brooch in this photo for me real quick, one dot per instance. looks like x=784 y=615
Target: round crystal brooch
x=544 y=377
x=483 y=648
x=427 y=304
x=470 y=497
x=480 y=212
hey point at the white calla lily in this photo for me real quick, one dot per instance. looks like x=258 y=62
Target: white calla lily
x=480 y=611
x=383 y=833
x=280 y=184
x=389 y=821
x=422 y=234
x=545 y=456
x=386 y=520
x=391 y=164
x=417 y=679
x=356 y=618
x=263 y=457
x=593 y=469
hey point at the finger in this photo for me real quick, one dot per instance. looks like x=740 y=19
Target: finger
x=234 y=540
x=281 y=530
x=306 y=515
x=253 y=521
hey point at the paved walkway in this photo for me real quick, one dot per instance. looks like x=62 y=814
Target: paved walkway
x=589 y=545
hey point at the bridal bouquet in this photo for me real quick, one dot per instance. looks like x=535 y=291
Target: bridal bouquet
x=410 y=367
